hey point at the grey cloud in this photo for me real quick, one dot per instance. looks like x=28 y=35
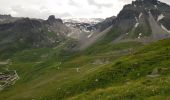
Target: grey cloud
x=62 y=8
x=21 y=11
x=33 y=13
x=97 y=11
x=94 y=3
x=63 y=15
x=72 y=3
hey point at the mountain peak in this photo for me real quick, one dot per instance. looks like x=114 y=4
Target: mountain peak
x=145 y=2
x=150 y=1
x=144 y=16
x=5 y=16
x=51 y=19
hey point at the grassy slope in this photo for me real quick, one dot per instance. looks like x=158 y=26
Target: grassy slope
x=127 y=79
x=47 y=74
x=43 y=72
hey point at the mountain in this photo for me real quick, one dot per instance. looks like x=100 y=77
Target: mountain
x=84 y=20
x=82 y=28
x=25 y=33
x=126 y=70
x=143 y=18
x=42 y=60
x=88 y=33
x=7 y=19
x=105 y=23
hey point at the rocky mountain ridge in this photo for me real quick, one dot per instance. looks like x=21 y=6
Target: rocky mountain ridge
x=141 y=18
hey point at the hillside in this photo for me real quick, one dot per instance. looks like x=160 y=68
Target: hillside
x=45 y=75
x=121 y=58
x=25 y=33
x=142 y=20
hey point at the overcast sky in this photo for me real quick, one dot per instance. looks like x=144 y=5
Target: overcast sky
x=63 y=8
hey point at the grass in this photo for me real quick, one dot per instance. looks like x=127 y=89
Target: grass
x=48 y=74
x=131 y=69
x=132 y=90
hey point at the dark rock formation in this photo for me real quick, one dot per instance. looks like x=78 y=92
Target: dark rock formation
x=51 y=20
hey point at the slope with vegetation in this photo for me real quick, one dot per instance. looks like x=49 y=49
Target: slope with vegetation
x=117 y=71
x=50 y=66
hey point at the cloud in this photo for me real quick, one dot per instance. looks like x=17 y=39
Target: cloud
x=95 y=3
x=73 y=3
x=41 y=12
x=61 y=15
x=63 y=8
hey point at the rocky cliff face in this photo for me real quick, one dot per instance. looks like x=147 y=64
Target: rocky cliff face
x=82 y=28
x=105 y=24
x=26 y=32
x=52 y=20
x=7 y=19
x=5 y=16
x=143 y=18
x=56 y=25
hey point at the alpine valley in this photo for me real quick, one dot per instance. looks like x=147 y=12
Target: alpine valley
x=123 y=57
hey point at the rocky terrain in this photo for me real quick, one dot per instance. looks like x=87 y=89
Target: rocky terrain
x=143 y=18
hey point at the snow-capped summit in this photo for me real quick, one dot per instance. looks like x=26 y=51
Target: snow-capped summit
x=84 y=20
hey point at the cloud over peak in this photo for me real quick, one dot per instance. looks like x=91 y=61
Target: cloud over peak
x=99 y=5
x=63 y=8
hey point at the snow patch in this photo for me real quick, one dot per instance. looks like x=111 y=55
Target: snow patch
x=134 y=5
x=136 y=25
x=127 y=33
x=140 y=15
x=68 y=35
x=49 y=30
x=160 y=17
x=163 y=27
x=136 y=19
x=140 y=35
x=149 y=11
x=89 y=36
x=155 y=6
x=83 y=20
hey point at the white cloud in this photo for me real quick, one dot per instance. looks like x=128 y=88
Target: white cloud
x=63 y=8
x=99 y=5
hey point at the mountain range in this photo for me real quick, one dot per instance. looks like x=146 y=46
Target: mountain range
x=123 y=57
x=84 y=20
